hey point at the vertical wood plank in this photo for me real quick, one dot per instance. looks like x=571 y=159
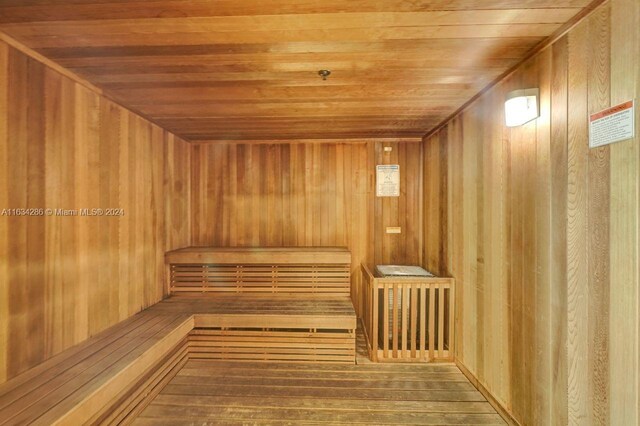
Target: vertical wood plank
x=559 y=184
x=405 y=320
x=577 y=254
x=423 y=320
x=624 y=227
x=440 y=296
x=414 y=317
x=34 y=309
x=598 y=216
x=16 y=198
x=432 y=320
x=375 y=346
x=4 y=203
x=385 y=320
x=394 y=327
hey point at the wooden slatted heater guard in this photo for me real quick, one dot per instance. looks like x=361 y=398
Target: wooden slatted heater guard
x=408 y=319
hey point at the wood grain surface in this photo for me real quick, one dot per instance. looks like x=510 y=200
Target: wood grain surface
x=249 y=70
x=300 y=195
x=62 y=146
x=541 y=232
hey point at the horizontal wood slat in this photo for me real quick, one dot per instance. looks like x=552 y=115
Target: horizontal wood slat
x=322 y=271
x=259 y=255
x=273 y=345
x=313 y=279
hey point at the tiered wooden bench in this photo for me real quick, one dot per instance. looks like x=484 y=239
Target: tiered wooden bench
x=106 y=379
x=268 y=304
x=299 y=311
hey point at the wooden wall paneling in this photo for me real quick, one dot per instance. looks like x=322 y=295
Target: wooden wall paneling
x=502 y=249
x=61 y=235
x=469 y=236
x=304 y=194
x=52 y=313
x=483 y=287
x=454 y=147
x=178 y=187
x=65 y=147
x=598 y=216
x=577 y=247
x=161 y=224
x=624 y=227
x=433 y=201
x=23 y=125
x=531 y=309
x=293 y=194
x=559 y=182
x=517 y=170
x=85 y=130
x=543 y=353
x=543 y=233
x=4 y=220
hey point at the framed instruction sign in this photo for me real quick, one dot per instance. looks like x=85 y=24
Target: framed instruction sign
x=388 y=180
x=614 y=124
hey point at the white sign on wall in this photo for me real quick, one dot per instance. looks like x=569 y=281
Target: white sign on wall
x=614 y=124
x=388 y=180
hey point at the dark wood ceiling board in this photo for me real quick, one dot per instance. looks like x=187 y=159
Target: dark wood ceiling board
x=469 y=32
x=78 y=10
x=294 y=80
x=344 y=136
x=507 y=47
x=296 y=124
x=304 y=141
x=325 y=109
x=396 y=59
x=289 y=94
x=247 y=70
x=266 y=85
x=318 y=21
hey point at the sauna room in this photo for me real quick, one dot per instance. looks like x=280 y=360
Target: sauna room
x=305 y=212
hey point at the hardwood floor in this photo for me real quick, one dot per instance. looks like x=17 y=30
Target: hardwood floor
x=211 y=392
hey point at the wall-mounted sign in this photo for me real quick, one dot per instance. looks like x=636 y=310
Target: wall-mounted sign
x=614 y=124
x=388 y=180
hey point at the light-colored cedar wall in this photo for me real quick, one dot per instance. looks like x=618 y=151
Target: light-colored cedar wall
x=308 y=194
x=63 y=279
x=542 y=233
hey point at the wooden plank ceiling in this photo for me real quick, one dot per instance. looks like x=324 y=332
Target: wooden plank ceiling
x=246 y=70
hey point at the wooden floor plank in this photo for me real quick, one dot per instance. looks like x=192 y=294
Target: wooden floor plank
x=328 y=404
x=294 y=382
x=212 y=392
x=218 y=414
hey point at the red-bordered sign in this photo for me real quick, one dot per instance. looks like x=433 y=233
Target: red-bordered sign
x=611 y=125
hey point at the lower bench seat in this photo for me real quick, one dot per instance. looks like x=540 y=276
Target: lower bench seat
x=82 y=384
x=111 y=377
x=274 y=328
x=263 y=311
